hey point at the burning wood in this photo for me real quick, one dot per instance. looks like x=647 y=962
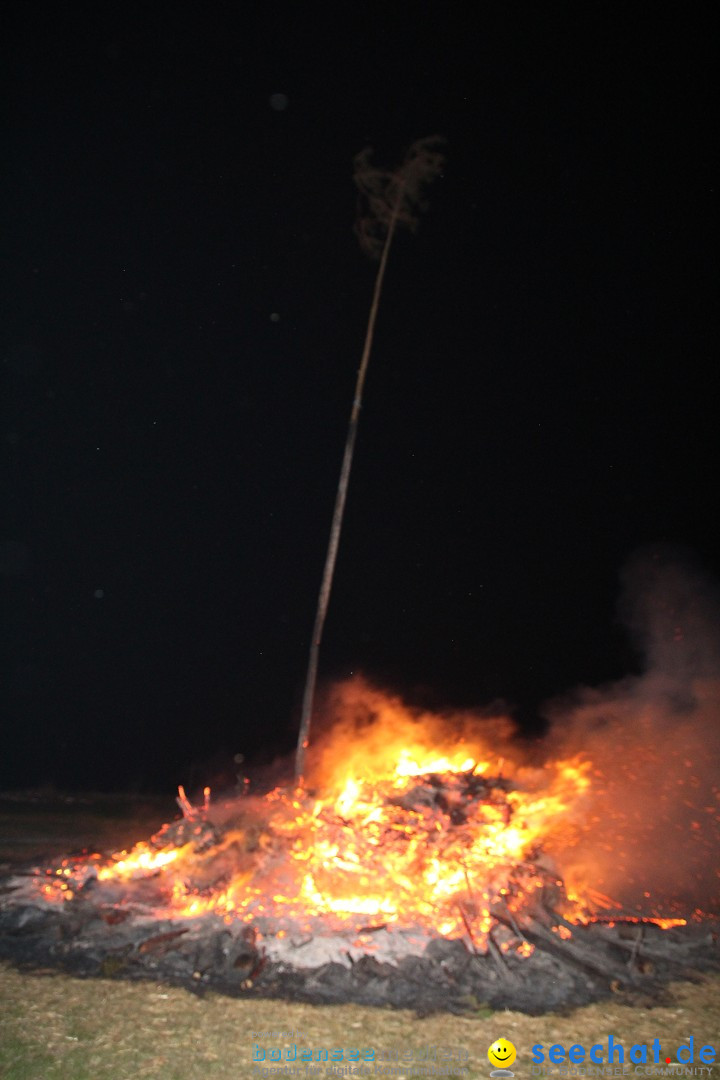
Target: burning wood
x=424 y=885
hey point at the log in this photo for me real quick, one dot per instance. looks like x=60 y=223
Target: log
x=571 y=951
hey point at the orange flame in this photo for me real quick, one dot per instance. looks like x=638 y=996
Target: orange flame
x=409 y=822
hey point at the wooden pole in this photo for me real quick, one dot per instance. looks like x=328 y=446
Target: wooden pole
x=337 y=519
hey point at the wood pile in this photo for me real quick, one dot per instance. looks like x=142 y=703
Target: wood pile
x=532 y=959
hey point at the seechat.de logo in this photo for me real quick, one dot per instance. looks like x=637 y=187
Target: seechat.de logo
x=615 y=1053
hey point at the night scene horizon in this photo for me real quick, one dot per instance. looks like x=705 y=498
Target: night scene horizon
x=532 y=507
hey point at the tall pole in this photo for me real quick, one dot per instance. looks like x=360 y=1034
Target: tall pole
x=337 y=519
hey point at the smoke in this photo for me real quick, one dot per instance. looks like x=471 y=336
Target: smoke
x=652 y=834
x=647 y=833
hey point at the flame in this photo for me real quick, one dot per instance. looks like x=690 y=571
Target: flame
x=385 y=851
x=142 y=860
x=408 y=821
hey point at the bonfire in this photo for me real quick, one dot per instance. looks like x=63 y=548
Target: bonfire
x=416 y=866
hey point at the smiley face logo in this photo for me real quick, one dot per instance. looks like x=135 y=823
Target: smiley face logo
x=501 y=1054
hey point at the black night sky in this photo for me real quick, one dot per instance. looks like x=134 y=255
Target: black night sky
x=184 y=311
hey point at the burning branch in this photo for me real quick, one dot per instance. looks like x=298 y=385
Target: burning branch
x=387 y=199
x=190 y=812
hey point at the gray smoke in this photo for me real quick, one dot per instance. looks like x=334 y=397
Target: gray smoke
x=652 y=835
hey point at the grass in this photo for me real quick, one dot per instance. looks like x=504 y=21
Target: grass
x=54 y=1026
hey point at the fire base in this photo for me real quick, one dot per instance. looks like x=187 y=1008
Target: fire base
x=396 y=967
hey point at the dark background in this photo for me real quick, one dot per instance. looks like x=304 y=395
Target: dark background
x=185 y=305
